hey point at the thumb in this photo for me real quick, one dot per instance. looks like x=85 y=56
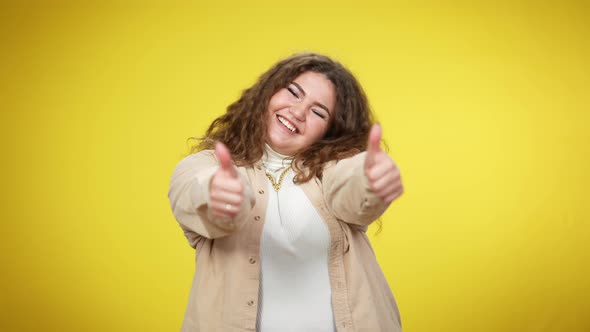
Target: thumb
x=224 y=157
x=373 y=144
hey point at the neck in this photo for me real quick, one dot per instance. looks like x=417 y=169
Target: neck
x=273 y=160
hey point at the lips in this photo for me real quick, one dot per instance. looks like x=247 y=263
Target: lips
x=288 y=124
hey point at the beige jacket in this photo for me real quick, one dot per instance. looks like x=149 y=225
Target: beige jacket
x=224 y=294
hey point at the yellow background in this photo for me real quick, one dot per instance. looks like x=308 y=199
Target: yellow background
x=485 y=107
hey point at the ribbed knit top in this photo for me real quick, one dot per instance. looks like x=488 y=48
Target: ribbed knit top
x=295 y=292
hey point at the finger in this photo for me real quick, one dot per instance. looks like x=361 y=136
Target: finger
x=373 y=145
x=386 y=185
x=395 y=194
x=224 y=197
x=223 y=182
x=374 y=139
x=383 y=185
x=385 y=193
x=392 y=197
x=382 y=167
x=222 y=214
x=225 y=160
x=224 y=208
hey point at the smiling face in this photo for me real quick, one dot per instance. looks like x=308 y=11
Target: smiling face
x=300 y=113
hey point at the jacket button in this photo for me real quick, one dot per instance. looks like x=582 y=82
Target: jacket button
x=261 y=192
x=257 y=218
x=250 y=303
x=252 y=260
x=259 y=167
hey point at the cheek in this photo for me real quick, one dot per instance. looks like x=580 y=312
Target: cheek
x=276 y=101
x=320 y=127
x=270 y=106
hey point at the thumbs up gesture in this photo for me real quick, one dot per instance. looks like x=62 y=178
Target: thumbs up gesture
x=382 y=173
x=225 y=188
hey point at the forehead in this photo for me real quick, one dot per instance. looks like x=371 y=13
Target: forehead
x=313 y=77
x=317 y=86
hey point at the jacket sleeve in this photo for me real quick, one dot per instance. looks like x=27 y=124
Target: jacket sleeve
x=189 y=198
x=348 y=194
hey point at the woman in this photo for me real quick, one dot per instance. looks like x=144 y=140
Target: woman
x=276 y=200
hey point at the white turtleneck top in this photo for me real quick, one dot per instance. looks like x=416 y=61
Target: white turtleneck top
x=295 y=293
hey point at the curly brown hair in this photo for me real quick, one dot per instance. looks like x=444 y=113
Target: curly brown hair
x=243 y=128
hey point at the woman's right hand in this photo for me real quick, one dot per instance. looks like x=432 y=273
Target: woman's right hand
x=226 y=191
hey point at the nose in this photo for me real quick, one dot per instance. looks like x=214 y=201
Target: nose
x=298 y=111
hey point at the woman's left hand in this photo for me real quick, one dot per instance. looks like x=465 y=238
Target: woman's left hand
x=382 y=173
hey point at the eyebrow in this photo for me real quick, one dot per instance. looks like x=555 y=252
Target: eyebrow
x=316 y=103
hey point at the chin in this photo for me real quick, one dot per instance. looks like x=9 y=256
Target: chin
x=281 y=149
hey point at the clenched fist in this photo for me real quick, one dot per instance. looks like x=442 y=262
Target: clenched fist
x=382 y=172
x=225 y=189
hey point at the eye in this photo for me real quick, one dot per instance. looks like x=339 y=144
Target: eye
x=290 y=89
x=318 y=113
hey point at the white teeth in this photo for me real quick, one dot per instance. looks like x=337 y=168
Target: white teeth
x=287 y=124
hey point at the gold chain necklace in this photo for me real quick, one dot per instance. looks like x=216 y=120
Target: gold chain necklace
x=277 y=185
